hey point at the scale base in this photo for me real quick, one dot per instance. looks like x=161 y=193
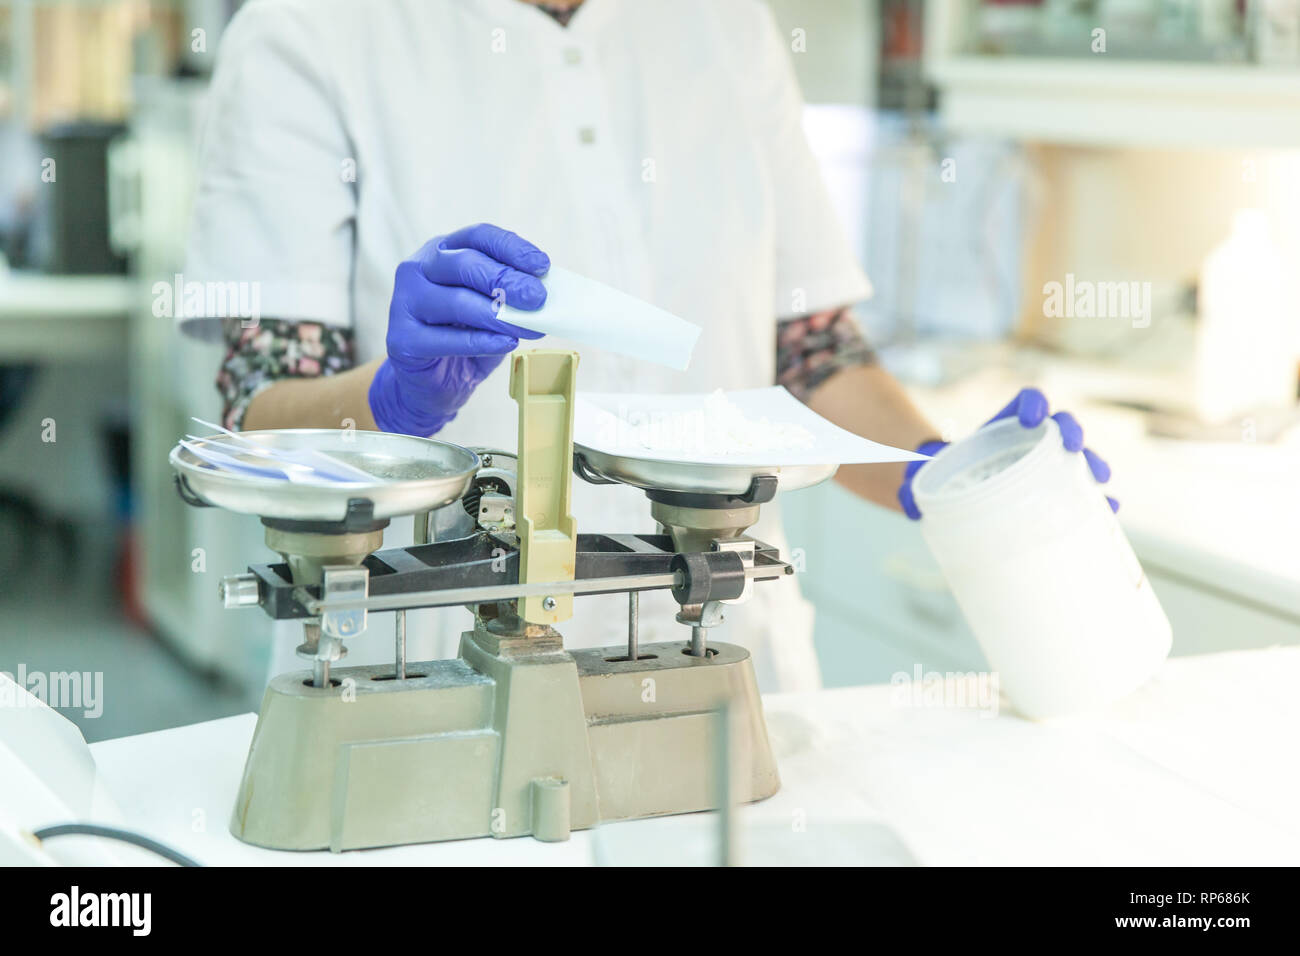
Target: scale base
x=511 y=738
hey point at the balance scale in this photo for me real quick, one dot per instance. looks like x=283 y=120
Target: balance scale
x=517 y=735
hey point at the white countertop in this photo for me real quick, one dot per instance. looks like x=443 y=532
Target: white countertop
x=1196 y=768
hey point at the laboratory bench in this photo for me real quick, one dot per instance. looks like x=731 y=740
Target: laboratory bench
x=1194 y=768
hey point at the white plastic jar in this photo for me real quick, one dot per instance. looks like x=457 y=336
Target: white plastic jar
x=1041 y=568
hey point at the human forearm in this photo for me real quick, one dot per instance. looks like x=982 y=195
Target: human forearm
x=443 y=339
x=330 y=401
x=868 y=401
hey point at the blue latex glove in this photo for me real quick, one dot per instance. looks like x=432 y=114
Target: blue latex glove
x=444 y=336
x=1030 y=407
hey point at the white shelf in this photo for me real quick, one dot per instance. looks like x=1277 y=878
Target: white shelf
x=63 y=317
x=1110 y=102
x=1103 y=99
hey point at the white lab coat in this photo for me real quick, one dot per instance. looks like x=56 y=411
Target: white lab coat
x=656 y=147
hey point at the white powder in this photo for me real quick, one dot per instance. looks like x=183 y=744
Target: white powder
x=984 y=470
x=719 y=427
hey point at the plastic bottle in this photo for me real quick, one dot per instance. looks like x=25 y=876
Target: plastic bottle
x=1245 y=355
x=1041 y=568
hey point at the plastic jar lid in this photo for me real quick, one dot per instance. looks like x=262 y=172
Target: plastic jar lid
x=998 y=459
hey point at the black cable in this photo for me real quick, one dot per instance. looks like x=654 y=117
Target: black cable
x=116 y=833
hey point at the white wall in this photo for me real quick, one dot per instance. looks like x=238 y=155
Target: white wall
x=841 y=41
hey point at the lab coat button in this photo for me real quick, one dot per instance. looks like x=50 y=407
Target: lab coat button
x=586 y=135
x=572 y=55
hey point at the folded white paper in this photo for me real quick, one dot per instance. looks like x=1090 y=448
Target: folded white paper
x=760 y=427
x=591 y=313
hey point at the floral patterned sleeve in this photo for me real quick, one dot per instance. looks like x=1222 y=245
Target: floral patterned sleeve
x=812 y=348
x=271 y=349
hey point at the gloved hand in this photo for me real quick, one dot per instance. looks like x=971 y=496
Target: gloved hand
x=444 y=336
x=1030 y=407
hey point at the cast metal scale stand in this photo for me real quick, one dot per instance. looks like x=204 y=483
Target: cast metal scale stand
x=517 y=735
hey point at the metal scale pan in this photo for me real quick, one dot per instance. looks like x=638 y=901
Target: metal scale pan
x=412 y=475
x=657 y=474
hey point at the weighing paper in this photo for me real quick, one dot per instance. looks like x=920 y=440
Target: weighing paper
x=591 y=313
x=614 y=423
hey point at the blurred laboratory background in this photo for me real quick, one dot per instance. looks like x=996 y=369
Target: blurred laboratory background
x=1097 y=197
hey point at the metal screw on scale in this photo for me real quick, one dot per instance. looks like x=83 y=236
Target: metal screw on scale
x=239 y=590
x=321 y=649
x=700 y=617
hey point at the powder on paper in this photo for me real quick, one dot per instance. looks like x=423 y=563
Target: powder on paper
x=719 y=427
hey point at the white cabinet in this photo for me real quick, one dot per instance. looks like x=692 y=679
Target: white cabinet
x=1206 y=620
x=882 y=605
x=185 y=551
